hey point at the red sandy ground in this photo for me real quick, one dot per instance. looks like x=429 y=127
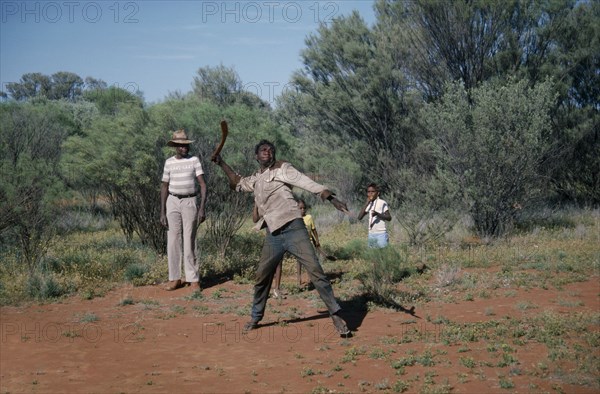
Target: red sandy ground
x=161 y=343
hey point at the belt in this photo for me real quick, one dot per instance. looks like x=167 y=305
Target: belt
x=180 y=196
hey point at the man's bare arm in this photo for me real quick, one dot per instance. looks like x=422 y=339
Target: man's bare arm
x=234 y=178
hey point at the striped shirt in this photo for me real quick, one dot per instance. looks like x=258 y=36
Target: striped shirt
x=180 y=174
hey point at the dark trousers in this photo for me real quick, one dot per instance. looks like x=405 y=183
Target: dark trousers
x=292 y=238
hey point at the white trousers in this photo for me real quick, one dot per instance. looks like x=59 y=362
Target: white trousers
x=181 y=236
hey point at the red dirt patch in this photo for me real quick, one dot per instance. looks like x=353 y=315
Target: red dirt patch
x=144 y=339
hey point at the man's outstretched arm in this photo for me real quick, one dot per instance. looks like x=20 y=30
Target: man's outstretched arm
x=234 y=178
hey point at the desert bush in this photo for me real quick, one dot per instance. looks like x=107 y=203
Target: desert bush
x=353 y=249
x=448 y=275
x=493 y=140
x=546 y=216
x=82 y=219
x=430 y=203
x=135 y=272
x=382 y=270
x=43 y=286
x=241 y=259
x=227 y=215
x=123 y=259
x=30 y=148
x=99 y=159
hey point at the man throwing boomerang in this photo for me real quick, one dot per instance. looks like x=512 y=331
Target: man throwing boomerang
x=285 y=229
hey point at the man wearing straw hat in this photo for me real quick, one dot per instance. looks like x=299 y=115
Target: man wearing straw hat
x=180 y=212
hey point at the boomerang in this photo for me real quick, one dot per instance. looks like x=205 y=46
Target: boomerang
x=224 y=132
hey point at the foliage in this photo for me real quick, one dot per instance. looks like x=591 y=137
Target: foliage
x=431 y=202
x=60 y=85
x=480 y=41
x=240 y=261
x=494 y=147
x=222 y=86
x=122 y=157
x=219 y=85
x=108 y=100
x=42 y=286
x=382 y=270
x=575 y=163
x=31 y=137
x=351 y=89
x=327 y=157
x=134 y=272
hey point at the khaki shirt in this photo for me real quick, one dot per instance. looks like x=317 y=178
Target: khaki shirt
x=273 y=193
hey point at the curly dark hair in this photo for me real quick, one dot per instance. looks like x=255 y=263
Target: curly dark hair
x=264 y=142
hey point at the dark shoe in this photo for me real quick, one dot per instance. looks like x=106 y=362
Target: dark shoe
x=340 y=325
x=251 y=325
x=174 y=285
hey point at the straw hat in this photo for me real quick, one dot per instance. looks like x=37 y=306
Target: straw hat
x=179 y=137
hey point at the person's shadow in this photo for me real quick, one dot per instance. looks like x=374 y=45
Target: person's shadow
x=356 y=309
x=215 y=280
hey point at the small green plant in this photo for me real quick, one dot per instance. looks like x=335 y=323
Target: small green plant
x=448 y=275
x=382 y=385
x=89 y=317
x=404 y=362
x=377 y=353
x=135 y=272
x=307 y=372
x=468 y=362
x=507 y=359
x=526 y=305
x=201 y=309
x=178 y=309
x=71 y=334
x=126 y=301
x=426 y=359
x=400 y=386
x=195 y=296
x=351 y=354
x=506 y=383
x=217 y=294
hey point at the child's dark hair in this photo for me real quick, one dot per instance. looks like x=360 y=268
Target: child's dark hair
x=301 y=200
x=374 y=186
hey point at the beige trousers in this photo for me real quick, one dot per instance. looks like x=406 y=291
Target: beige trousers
x=181 y=237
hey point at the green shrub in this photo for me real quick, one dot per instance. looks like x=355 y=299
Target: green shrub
x=240 y=260
x=492 y=139
x=123 y=260
x=353 y=249
x=383 y=268
x=43 y=286
x=135 y=271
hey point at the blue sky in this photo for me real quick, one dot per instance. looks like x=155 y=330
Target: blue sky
x=158 y=46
